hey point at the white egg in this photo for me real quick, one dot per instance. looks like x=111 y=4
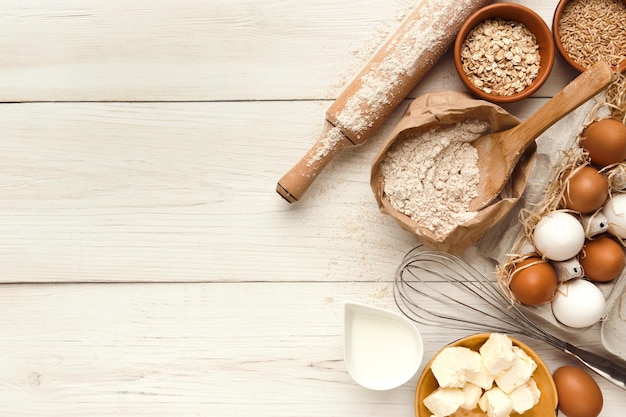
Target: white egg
x=615 y=212
x=559 y=236
x=578 y=303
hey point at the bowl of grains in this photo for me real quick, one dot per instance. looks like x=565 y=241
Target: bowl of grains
x=504 y=52
x=588 y=31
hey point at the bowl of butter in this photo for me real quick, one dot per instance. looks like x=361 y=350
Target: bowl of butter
x=486 y=374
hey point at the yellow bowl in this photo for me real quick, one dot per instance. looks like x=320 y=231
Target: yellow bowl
x=547 y=403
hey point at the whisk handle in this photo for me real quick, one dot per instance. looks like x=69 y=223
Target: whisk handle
x=609 y=369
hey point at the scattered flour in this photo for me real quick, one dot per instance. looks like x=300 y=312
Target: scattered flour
x=327 y=143
x=405 y=55
x=432 y=176
x=363 y=52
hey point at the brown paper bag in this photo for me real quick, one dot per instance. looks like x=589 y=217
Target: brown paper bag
x=444 y=108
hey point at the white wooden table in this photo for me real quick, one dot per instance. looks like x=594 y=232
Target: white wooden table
x=148 y=267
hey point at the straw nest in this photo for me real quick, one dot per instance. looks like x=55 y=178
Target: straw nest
x=610 y=104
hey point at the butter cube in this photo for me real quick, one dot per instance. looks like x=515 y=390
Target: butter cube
x=472 y=394
x=519 y=373
x=497 y=353
x=483 y=378
x=455 y=365
x=444 y=401
x=496 y=403
x=525 y=397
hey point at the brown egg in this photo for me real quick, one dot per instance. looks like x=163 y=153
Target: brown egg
x=602 y=259
x=533 y=281
x=586 y=189
x=579 y=394
x=605 y=140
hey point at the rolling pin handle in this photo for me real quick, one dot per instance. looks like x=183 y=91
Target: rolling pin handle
x=294 y=183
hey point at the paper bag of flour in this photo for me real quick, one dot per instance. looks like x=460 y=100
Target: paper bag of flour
x=424 y=173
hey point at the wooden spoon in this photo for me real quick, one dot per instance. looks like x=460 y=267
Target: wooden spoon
x=499 y=153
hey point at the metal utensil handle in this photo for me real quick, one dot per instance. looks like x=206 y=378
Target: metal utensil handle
x=609 y=369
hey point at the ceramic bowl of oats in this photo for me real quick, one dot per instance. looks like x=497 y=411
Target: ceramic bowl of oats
x=504 y=52
x=588 y=31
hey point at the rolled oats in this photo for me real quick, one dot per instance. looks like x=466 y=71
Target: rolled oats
x=500 y=57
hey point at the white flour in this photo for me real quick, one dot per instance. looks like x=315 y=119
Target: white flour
x=326 y=144
x=361 y=53
x=432 y=176
x=431 y=31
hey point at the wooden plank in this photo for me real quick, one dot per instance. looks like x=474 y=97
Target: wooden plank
x=167 y=350
x=186 y=192
x=180 y=349
x=182 y=192
x=183 y=50
x=189 y=50
x=244 y=313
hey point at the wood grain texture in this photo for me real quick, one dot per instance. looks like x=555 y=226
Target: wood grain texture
x=185 y=192
x=147 y=266
x=164 y=50
x=181 y=192
x=179 y=349
x=182 y=50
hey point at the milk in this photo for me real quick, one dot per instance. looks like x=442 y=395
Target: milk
x=382 y=348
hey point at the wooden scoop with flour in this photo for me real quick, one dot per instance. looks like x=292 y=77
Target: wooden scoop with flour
x=499 y=153
x=380 y=87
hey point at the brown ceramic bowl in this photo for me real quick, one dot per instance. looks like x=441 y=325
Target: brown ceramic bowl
x=547 y=403
x=508 y=12
x=556 y=30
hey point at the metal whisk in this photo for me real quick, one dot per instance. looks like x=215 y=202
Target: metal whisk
x=436 y=288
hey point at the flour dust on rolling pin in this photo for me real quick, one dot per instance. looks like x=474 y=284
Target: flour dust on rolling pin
x=392 y=73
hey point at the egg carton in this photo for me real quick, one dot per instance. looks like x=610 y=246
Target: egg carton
x=511 y=240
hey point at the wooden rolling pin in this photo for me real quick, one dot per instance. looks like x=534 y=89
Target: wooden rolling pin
x=380 y=87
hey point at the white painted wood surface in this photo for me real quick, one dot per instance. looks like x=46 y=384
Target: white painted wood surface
x=147 y=265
